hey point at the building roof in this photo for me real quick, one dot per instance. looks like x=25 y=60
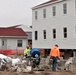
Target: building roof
x=25 y=28
x=46 y=4
x=29 y=35
x=14 y=26
x=12 y=32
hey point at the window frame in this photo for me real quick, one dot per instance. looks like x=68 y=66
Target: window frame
x=65 y=8
x=36 y=35
x=36 y=15
x=44 y=34
x=44 y=13
x=75 y=5
x=54 y=10
x=54 y=33
x=65 y=32
x=19 y=43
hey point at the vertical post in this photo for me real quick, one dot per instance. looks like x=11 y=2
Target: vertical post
x=74 y=54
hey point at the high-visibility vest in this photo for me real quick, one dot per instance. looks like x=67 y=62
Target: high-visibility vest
x=26 y=51
x=55 y=52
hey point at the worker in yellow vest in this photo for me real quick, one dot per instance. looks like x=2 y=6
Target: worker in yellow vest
x=27 y=51
x=27 y=54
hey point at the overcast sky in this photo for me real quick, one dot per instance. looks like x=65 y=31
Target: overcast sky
x=14 y=12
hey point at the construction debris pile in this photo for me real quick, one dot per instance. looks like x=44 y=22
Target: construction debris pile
x=18 y=65
x=67 y=65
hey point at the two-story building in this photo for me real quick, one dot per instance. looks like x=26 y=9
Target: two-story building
x=54 y=22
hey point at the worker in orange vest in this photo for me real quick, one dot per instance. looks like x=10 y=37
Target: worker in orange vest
x=54 y=55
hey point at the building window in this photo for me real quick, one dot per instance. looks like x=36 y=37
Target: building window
x=65 y=32
x=54 y=10
x=44 y=34
x=75 y=5
x=2 y=42
x=19 y=43
x=36 y=35
x=54 y=33
x=75 y=29
x=36 y=15
x=44 y=13
x=65 y=8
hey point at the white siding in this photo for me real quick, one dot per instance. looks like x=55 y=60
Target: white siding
x=58 y=22
x=12 y=43
x=0 y=43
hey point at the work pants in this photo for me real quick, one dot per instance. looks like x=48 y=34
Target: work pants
x=54 y=62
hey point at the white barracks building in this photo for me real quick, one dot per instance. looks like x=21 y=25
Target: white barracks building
x=54 y=22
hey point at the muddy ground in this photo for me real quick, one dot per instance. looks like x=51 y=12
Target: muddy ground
x=45 y=72
x=48 y=72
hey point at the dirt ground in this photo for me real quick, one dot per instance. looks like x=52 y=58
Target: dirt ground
x=45 y=72
x=39 y=73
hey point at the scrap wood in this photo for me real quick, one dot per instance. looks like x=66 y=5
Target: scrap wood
x=38 y=69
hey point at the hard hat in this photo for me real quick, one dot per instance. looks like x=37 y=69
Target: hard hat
x=56 y=45
x=36 y=55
